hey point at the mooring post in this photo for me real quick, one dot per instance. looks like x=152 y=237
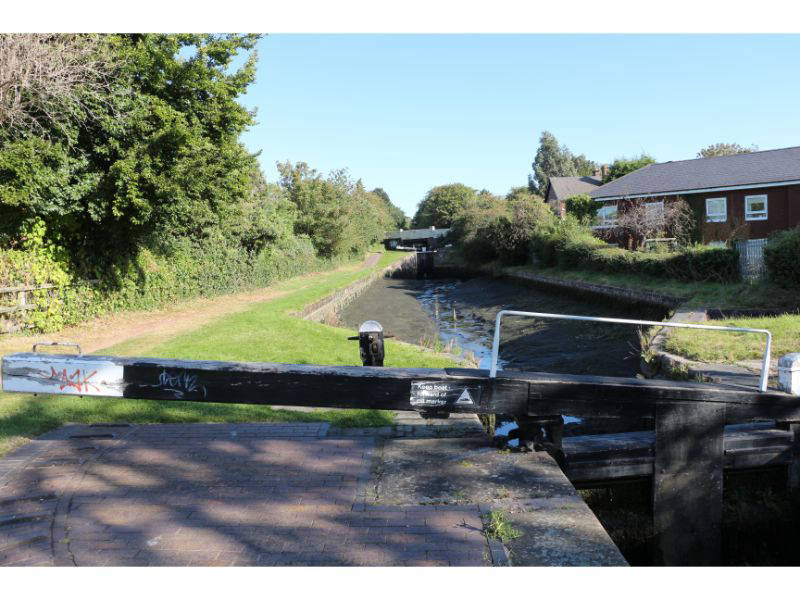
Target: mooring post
x=687 y=483
x=370 y=343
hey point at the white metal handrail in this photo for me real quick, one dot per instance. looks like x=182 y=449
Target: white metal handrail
x=519 y=313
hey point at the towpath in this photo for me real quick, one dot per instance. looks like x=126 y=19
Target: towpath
x=111 y=329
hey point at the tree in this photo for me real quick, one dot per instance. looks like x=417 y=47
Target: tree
x=398 y=216
x=47 y=79
x=521 y=193
x=551 y=160
x=340 y=217
x=723 y=149
x=584 y=166
x=639 y=220
x=442 y=204
x=623 y=166
x=159 y=160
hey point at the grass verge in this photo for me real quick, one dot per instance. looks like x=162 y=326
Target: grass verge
x=697 y=294
x=266 y=332
x=718 y=346
x=711 y=346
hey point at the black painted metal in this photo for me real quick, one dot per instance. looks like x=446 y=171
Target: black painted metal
x=425 y=263
x=370 y=343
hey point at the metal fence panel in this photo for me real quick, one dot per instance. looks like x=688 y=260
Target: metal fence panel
x=751 y=259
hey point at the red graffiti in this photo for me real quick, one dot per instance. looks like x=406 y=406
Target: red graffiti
x=78 y=380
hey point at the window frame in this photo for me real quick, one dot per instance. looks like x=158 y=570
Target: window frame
x=650 y=206
x=604 y=222
x=718 y=217
x=749 y=216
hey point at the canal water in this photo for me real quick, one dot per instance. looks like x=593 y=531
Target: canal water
x=459 y=315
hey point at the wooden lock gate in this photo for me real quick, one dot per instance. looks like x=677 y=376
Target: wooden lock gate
x=689 y=417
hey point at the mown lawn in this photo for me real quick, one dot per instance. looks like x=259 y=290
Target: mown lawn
x=266 y=332
x=717 y=346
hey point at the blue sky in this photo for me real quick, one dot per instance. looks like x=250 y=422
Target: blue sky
x=408 y=112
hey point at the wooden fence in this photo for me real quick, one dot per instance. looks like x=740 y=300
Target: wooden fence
x=14 y=303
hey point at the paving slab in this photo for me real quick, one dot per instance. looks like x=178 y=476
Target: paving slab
x=287 y=494
x=213 y=494
x=466 y=477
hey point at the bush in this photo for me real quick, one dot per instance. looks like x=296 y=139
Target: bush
x=571 y=246
x=781 y=258
x=565 y=244
x=150 y=281
x=490 y=228
x=583 y=207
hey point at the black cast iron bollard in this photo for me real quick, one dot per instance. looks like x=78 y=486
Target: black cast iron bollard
x=370 y=341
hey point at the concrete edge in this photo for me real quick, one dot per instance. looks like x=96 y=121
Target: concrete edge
x=609 y=292
x=499 y=553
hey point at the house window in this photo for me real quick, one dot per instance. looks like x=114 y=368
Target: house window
x=607 y=216
x=755 y=208
x=654 y=208
x=716 y=210
x=654 y=212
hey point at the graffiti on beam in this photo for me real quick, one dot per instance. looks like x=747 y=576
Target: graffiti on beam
x=181 y=384
x=80 y=379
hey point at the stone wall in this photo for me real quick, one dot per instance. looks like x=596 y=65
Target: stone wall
x=609 y=292
x=325 y=310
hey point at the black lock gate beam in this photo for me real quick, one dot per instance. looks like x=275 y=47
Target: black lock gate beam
x=689 y=416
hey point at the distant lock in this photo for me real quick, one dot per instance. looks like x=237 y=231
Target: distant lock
x=370 y=341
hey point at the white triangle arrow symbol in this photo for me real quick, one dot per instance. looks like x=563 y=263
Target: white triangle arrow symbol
x=465 y=398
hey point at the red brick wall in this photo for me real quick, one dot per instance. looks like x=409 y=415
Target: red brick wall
x=783 y=212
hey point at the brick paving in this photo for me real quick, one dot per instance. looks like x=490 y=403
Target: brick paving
x=216 y=494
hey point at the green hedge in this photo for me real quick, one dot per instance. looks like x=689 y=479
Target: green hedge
x=782 y=258
x=573 y=248
x=151 y=281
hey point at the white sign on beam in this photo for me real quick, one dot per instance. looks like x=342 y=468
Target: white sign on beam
x=49 y=374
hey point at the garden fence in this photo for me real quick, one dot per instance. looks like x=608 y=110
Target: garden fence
x=751 y=259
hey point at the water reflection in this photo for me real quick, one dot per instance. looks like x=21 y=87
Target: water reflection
x=466 y=333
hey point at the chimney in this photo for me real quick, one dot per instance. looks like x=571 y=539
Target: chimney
x=604 y=171
x=598 y=173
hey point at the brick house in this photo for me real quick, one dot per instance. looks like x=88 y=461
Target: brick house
x=561 y=188
x=752 y=195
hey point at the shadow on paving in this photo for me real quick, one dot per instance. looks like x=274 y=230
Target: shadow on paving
x=557 y=528
x=215 y=494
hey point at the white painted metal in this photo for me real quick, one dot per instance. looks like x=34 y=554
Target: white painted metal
x=81 y=375
x=520 y=313
x=370 y=326
x=751 y=258
x=789 y=373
